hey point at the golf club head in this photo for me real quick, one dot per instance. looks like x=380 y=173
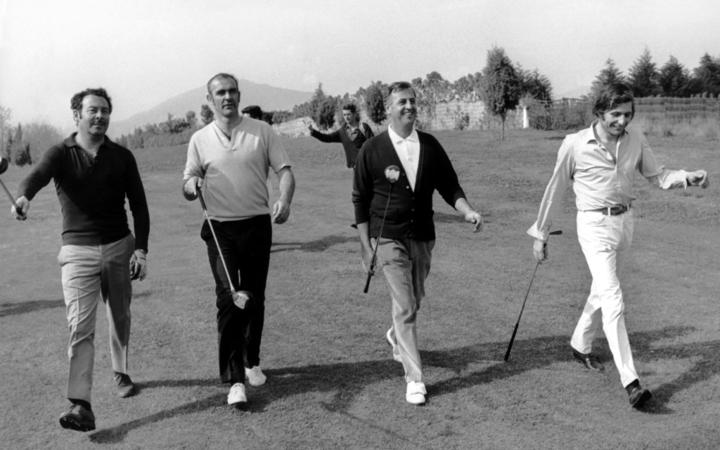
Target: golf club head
x=392 y=173
x=3 y=165
x=240 y=298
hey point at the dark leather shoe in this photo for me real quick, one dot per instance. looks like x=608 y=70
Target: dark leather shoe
x=637 y=395
x=78 y=418
x=588 y=360
x=125 y=386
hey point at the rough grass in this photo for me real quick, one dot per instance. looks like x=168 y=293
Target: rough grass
x=332 y=381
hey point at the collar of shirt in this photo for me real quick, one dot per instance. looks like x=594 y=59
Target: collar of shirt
x=408 y=151
x=397 y=139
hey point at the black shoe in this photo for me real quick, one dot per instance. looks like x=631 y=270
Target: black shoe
x=588 y=360
x=637 y=395
x=78 y=418
x=125 y=386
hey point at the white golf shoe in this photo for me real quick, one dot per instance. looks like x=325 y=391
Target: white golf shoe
x=393 y=344
x=255 y=376
x=237 y=396
x=415 y=393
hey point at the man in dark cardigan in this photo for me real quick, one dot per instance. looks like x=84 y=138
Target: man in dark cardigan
x=408 y=234
x=352 y=134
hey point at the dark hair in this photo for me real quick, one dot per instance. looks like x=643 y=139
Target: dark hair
x=398 y=86
x=350 y=107
x=253 y=111
x=77 y=99
x=222 y=75
x=612 y=95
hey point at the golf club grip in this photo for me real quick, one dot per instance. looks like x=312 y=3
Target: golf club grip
x=367 y=282
x=202 y=199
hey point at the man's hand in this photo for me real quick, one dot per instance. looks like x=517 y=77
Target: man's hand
x=280 y=211
x=366 y=254
x=475 y=218
x=138 y=265
x=698 y=178
x=191 y=186
x=540 y=250
x=23 y=204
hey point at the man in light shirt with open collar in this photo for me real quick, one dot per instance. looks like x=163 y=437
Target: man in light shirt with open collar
x=408 y=234
x=601 y=162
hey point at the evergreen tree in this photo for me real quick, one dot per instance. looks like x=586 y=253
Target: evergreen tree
x=707 y=76
x=375 y=102
x=608 y=76
x=643 y=77
x=501 y=85
x=673 y=78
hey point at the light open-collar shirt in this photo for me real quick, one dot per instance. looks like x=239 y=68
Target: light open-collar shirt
x=408 y=150
x=601 y=177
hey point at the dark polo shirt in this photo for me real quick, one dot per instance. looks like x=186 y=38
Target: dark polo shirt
x=92 y=192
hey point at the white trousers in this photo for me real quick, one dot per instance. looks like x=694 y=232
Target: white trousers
x=604 y=241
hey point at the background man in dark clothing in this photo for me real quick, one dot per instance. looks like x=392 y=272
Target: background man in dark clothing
x=352 y=134
x=99 y=256
x=408 y=235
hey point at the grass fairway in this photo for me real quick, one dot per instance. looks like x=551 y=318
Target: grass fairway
x=332 y=381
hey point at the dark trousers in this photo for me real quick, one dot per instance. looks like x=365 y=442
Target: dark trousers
x=245 y=245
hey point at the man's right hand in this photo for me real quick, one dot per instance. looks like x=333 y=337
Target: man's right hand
x=540 y=250
x=366 y=254
x=23 y=204
x=190 y=188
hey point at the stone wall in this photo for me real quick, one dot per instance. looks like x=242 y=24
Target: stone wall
x=452 y=115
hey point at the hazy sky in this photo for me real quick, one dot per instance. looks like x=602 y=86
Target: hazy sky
x=145 y=51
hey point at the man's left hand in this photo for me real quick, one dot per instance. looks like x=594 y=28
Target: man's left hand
x=698 y=178
x=138 y=265
x=474 y=218
x=280 y=211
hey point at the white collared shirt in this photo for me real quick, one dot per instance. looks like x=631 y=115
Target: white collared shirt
x=408 y=151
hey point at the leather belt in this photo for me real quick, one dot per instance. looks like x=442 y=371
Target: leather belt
x=614 y=210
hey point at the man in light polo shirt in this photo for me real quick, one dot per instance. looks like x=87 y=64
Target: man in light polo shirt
x=229 y=160
x=600 y=162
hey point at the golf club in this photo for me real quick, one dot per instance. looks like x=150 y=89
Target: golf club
x=532 y=278
x=3 y=167
x=392 y=174
x=240 y=298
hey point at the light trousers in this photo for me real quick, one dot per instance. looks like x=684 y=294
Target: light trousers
x=406 y=265
x=90 y=273
x=604 y=240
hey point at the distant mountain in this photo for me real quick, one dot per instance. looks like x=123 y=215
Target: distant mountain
x=269 y=98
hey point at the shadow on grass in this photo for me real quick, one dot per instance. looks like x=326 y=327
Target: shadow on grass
x=318 y=245
x=348 y=380
x=10 y=309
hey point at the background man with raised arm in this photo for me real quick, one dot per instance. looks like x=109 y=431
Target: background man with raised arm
x=352 y=134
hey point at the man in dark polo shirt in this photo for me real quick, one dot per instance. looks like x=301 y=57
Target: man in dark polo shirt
x=352 y=134
x=99 y=255
x=408 y=234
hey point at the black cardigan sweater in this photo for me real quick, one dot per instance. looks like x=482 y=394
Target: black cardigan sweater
x=409 y=213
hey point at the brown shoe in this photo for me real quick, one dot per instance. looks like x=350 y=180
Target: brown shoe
x=125 y=386
x=78 y=418
x=588 y=360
